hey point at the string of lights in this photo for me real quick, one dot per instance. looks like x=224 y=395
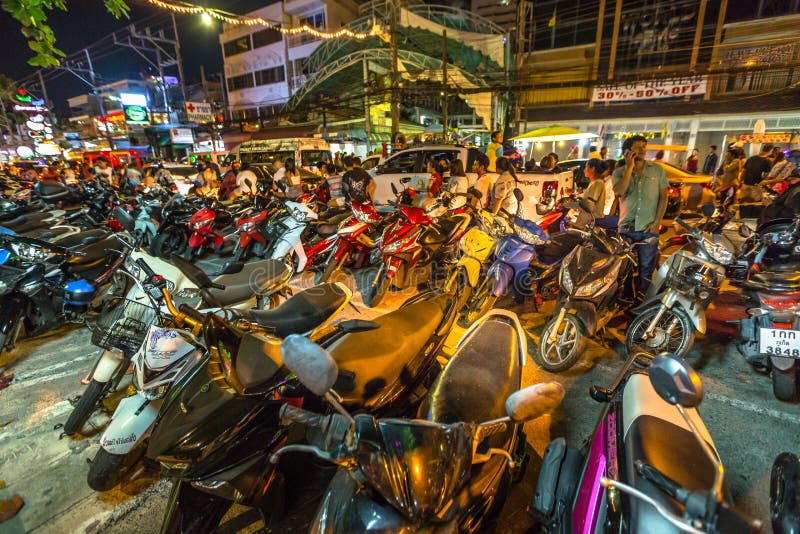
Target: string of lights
x=228 y=18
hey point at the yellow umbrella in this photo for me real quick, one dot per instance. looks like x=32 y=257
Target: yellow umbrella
x=553 y=133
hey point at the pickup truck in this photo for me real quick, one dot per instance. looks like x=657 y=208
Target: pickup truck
x=411 y=163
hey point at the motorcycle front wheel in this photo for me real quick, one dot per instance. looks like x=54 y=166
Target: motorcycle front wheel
x=481 y=301
x=564 y=352
x=374 y=293
x=107 y=469
x=85 y=407
x=674 y=332
x=333 y=265
x=171 y=241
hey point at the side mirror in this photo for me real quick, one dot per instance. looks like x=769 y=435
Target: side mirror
x=394 y=188
x=124 y=218
x=248 y=183
x=519 y=195
x=192 y=272
x=534 y=401
x=312 y=364
x=378 y=169
x=745 y=231
x=708 y=209
x=475 y=193
x=675 y=381
x=405 y=180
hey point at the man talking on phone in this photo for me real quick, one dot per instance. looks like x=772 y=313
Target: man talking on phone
x=641 y=187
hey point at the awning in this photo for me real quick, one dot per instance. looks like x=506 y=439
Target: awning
x=554 y=132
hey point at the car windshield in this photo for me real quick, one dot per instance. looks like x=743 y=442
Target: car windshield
x=416 y=465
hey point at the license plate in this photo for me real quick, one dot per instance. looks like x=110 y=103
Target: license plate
x=780 y=342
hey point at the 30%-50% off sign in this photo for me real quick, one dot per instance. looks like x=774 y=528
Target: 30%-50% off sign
x=651 y=89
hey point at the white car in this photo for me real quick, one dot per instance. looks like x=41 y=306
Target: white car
x=412 y=164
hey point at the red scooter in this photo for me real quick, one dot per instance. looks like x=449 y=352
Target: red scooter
x=357 y=239
x=203 y=227
x=416 y=246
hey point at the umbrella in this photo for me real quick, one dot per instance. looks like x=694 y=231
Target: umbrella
x=554 y=133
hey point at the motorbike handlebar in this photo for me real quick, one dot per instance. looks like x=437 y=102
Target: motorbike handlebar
x=146 y=268
x=304 y=417
x=190 y=312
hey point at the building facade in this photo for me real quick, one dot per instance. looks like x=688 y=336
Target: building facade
x=686 y=74
x=263 y=67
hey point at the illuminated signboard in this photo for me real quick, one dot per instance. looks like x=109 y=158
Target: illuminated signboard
x=135 y=114
x=133 y=99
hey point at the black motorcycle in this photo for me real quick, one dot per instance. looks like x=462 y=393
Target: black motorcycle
x=219 y=423
x=44 y=285
x=449 y=470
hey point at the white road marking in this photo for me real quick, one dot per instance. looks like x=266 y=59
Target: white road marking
x=45 y=370
x=755 y=408
x=48 y=378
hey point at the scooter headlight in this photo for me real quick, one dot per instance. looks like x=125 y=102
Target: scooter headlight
x=248 y=226
x=566 y=280
x=394 y=247
x=596 y=286
x=718 y=252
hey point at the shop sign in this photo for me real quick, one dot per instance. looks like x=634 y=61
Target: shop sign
x=181 y=136
x=198 y=112
x=135 y=114
x=651 y=89
x=761 y=55
x=34 y=109
x=766 y=138
x=24 y=152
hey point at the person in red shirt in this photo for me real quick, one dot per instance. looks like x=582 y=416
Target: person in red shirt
x=50 y=174
x=692 y=161
x=435 y=183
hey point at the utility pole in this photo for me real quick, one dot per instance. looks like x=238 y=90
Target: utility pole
x=395 y=71
x=203 y=83
x=99 y=97
x=178 y=57
x=444 y=85
x=367 y=128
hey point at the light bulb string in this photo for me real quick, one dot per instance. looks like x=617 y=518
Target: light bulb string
x=185 y=8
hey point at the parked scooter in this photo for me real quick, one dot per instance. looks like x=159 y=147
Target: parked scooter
x=451 y=468
x=770 y=335
x=219 y=424
x=596 y=282
x=124 y=323
x=416 y=245
x=650 y=465
x=50 y=284
x=681 y=290
x=164 y=357
x=358 y=238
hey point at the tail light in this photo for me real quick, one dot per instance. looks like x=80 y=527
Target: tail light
x=780 y=302
x=672 y=191
x=707 y=185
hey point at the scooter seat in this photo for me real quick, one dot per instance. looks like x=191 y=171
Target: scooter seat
x=82 y=238
x=379 y=358
x=302 y=312
x=775 y=281
x=675 y=452
x=256 y=278
x=445 y=229
x=474 y=385
x=94 y=256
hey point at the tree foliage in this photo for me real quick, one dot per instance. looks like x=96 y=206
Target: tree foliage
x=32 y=16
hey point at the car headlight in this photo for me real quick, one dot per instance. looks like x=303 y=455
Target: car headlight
x=566 y=280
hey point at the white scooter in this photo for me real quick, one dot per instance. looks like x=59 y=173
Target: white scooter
x=290 y=242
x=121 y=329
x=168 y=353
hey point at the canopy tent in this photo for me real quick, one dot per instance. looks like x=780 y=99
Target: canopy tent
x=554 y=133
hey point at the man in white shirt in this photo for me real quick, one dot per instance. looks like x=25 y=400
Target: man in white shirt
x=246 y=174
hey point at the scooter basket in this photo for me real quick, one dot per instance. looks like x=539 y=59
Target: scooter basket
x=123 y=325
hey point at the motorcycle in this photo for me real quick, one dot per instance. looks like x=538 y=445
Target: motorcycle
x=219 y=424
x=596 y=281
x=451 y=468
x=166 y=354
x=681 y=289
x=172 y=236
x=415 y=245
x=650 y=465
x=124 y=322
x=356 y=241
x=52 y=284
x=770 y=334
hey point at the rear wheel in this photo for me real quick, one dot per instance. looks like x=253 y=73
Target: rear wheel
x=784 y=385
x=674 y=332
x=192 y=511
x=563 y=352
x=377 y=289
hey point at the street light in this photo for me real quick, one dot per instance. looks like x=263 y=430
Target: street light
x=206 y=18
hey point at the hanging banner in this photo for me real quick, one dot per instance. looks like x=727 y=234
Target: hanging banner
x=766 y=138
x=651 y=89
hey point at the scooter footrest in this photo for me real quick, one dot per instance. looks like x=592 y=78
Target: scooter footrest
x=600 y=394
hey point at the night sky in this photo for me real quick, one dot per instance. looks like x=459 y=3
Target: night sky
x=87 y=21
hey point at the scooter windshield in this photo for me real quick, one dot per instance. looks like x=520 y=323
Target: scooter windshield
x=417 y=466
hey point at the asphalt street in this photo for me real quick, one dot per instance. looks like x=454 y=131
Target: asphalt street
x=48 y=470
